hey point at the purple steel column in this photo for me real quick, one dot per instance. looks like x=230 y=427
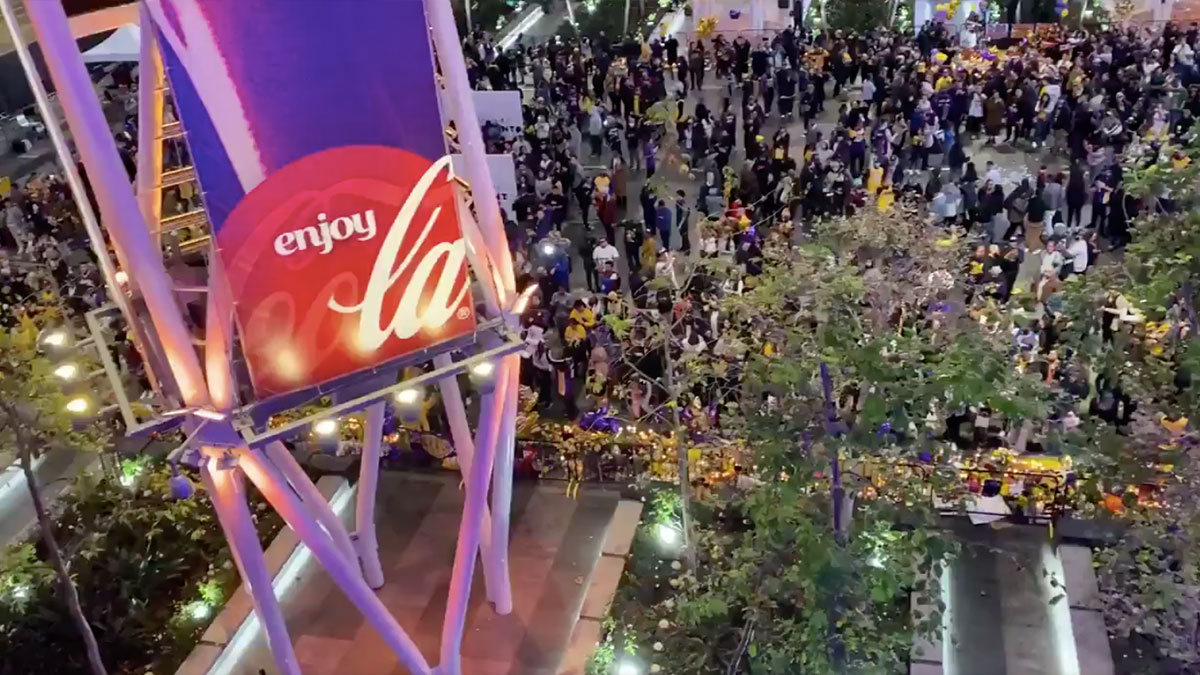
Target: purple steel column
x=462 y=109
x=228 y=496
x=122 y=217
x=150 y=122
x=313 y=500
x=460 y=432
x=349 y=578
x=365 y=540
x=475 y=502
x=461 y=106
x=502 y=479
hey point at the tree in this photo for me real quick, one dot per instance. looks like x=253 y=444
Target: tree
x=1141 y=467
x=33 y=419
x=843 y=358
x=857 y=15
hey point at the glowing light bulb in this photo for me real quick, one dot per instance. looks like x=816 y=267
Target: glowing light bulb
x=199 y=611
x=326 y=427
x=78 y=405
x=407 y=396
x=483 y=369
x=56 y=338
x=66 y=371
x=628 y=668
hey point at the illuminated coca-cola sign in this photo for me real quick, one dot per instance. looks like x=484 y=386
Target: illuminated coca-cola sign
x=325 y=176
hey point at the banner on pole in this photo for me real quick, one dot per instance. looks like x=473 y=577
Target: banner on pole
x=501 y=108
x=317 y=139
x=504 y=178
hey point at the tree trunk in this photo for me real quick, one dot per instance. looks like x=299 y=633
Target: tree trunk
x=681 y=451
x=65 y=585
x=1189 y=309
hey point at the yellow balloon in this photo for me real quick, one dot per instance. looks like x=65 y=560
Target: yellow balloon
x=940 y=57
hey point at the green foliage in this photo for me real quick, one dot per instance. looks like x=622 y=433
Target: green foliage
x=1148 y=578
x=857 y=15
x=139 y=560
x=775 y=587
x=20 y=572
x=769 y=568
x=33 y=411
x=602 y=660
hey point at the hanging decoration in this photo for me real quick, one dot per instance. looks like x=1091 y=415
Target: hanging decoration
x=945 y=11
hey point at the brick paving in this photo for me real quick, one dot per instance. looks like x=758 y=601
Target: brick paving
x=555 y=544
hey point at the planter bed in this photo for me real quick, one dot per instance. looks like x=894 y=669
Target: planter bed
x=151 y=573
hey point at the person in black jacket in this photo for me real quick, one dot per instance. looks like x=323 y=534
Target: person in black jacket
x=1076 y=196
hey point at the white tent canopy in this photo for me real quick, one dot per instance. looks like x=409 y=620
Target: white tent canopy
x=123 y=45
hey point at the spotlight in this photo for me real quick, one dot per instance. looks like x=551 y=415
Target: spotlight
x=408 y=397
x=121 y=277
x=55 y=338
x=199 y=611
x=66 y=371
x=21 y=592
x=78 y=405
x=408 y=404
x=667 y=535
x=627 y=667
x=548 y=248
x=483 y=376
x=326 y=427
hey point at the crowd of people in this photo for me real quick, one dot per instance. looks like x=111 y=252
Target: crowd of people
x=46 y=257
x=727 y=142
x=1017 y=145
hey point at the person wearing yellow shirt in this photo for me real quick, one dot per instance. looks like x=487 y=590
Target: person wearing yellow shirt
x=874 y=178
x=582 y=314
x=575 y=333
x=886 y=199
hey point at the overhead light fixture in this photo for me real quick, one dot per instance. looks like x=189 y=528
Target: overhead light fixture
x=483 y=376
x=326 y=427
x=408 y=404
x=410 y=396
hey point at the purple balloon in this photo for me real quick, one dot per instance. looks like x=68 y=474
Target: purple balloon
x=735 y=13
x=940 y=16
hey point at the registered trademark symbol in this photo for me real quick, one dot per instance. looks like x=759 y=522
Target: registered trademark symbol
x=464 y=312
